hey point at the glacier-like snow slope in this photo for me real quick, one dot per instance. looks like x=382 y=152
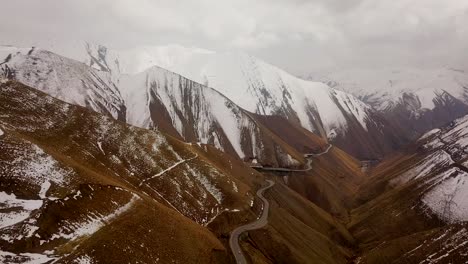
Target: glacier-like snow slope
x=249 y=82
x=384 y=88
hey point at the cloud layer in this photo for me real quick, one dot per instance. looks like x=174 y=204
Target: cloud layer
x=298 y=35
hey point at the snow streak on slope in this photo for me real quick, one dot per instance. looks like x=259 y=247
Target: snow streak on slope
x=92 y=223
x=433 y=162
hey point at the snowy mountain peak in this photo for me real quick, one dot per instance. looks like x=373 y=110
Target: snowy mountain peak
x=251 y=83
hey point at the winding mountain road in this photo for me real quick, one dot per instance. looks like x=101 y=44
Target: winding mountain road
x=263 y=219
x=257 y=224
x=307 y=168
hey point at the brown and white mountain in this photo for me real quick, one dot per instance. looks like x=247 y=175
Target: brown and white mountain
x=77 y=186
x=253 y=85
x=263 y=89
x=158 y=98
x=74 y=182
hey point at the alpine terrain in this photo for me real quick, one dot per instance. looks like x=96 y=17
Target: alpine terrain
x=167 y=154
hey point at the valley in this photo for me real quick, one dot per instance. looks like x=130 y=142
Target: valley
x=105 y=161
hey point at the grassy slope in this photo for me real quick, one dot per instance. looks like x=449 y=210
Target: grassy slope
x=298 y=232
x=72 y=144
x=331 y=183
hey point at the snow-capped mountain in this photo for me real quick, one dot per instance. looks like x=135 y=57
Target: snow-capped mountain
x=199 y=113
x=252 y=84
x=259 y=88
x=155 y=98
x=115 y=81
x=77 y=184
x=419 y=99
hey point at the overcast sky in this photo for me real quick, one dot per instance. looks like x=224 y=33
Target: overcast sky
x=298 y=35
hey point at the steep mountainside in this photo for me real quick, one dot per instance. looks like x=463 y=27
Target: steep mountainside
x=425 y=192
x=263 y=89
x=78 y=186
x=418 y=99
x=74 y=183
x=154 y=98
x=307 y=209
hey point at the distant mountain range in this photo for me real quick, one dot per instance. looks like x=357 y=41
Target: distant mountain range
x=415 y=99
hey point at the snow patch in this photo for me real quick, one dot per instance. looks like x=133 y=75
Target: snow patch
x=428 y=165
x=332 y=134
x=24 y=258
x=207 y=184
x=430 y=134
x=449 y=198
x=14 y=210
x=83 y=260
x=234 y=186
x=93 y=223
x=44 y=188
x=35 y=166
x=99 y=143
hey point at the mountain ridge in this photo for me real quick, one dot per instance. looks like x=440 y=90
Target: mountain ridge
x=264 y=89
x=418 y=99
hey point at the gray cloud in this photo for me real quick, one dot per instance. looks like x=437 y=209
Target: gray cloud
x=297 y=35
